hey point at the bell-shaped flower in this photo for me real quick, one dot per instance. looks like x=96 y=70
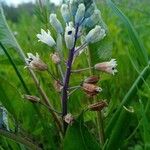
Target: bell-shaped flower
x=56 y=23
x=95 y=34
x=108 y=66
x=35 y=63
x=46 y=38
x=70 y=35
x=65 y=13
x=80 y=13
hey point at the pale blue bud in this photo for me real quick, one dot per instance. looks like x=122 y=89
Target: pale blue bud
x=80 y=13
x=93 y=19
x=56 y=23
x=95 y=35
x=70 y=35
x=73 y=7
x=90 y=10
x=65 y=13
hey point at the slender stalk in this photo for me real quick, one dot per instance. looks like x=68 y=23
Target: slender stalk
x=99 y=114
x=19 y=139
x=66 y=80
x=80 y=70
x=49 y=108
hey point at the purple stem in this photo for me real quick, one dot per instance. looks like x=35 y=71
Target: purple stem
x=66 y=80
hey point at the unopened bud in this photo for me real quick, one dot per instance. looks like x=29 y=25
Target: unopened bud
x=90 y=10
x=56 y=23
x=93 y=19
x=55 y=58
x=65 y=13
x=80 y=13
x=73 y=7
x=95 y=34
x=31 y=98
x=98 y=106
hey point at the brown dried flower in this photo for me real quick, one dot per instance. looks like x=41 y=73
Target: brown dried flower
x=98 y=106
x=34 y=62
x=91 y=89
x=58 y=86
x=69 y=118
x=56 y=58
x=92 y=79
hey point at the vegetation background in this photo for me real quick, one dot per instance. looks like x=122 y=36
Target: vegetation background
x=133 y=132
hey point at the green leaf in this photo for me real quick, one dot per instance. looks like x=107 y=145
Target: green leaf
x=78 y=136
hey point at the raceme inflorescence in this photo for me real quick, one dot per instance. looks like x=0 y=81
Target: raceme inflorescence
x=78 y=17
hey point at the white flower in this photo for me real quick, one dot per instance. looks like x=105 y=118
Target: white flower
x=56 y=23
x=70 y=35
x=65 y=12
x=95 y=34
x=46 y=38
x=108 y=66
x=80 y=13
x=34 y=62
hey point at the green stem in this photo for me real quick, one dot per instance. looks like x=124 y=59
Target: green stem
x=99 y=114
x=20 y=139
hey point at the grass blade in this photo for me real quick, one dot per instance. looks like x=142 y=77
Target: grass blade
x=139 y=47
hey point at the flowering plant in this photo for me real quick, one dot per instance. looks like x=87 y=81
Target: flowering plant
x=78 y=16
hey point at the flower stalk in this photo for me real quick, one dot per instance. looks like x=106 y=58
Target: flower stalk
x=66 y=80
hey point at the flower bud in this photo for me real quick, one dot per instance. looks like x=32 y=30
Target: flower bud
x=92 y=80
x=91 y=89
x=98 y=106
x=73 y=7
x=93 y=19
x=46 y=38
x=56 y=23
x=34 y=62
x=95 y=34
x=69 y=118
x=90 y=10
x=65 y=13
x=80 y=13
x=55 y=58
x=70 y=35
x=31 y=98
x=108 y=66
